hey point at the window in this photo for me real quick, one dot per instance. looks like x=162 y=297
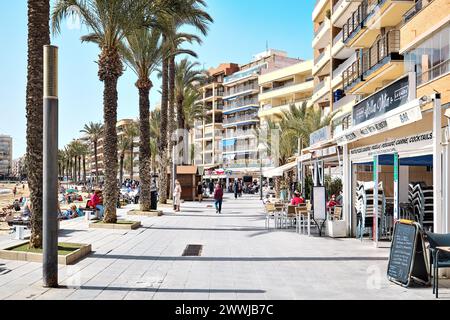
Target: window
x=431 y=58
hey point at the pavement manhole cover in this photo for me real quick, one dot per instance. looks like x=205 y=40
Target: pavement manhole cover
x=192 y=250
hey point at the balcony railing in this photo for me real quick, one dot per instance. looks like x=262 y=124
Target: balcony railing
x=338 y=37
x=418 y=6
x=433 y=73
x=239 y=133
x=321 y=26
x=372 y=57
x=241 y=89
x=355 y=21
x=347 y=63
x=319 y=86
x=319 y=57
x=241 y=103
x=243 y=74
x=236 y=119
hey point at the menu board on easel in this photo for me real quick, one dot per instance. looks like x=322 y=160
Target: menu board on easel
x=408 y=260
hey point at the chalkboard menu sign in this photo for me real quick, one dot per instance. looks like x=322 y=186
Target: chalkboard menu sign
x=408 y=259
x=385 y=100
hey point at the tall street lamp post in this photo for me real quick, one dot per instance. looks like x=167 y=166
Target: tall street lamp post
x=50 y=191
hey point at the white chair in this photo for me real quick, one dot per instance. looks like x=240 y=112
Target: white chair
x=270 y=214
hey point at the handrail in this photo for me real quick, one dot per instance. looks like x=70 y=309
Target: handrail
x=434 y=72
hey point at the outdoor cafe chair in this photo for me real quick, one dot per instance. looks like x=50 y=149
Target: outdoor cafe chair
x=290 y=215
x=302 y=216
x=438 y=257
x=279 y=214
x=270 y=214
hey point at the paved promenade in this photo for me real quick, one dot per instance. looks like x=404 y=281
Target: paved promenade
x=240 y=260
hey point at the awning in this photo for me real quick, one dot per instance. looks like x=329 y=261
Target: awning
x=278 y=172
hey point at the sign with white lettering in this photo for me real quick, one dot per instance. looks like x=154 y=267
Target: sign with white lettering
x=400 y=119
x=385 y=100
x=320 y=135
x=416 y=142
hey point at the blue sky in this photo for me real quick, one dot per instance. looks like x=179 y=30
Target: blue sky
x=241 y=29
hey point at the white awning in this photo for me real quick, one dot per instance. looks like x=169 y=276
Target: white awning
x=278 y=172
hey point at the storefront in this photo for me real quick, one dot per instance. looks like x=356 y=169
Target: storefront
x=390 y=170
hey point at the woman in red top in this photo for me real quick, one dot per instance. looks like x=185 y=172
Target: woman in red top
x=332 y=203
x=297 y=199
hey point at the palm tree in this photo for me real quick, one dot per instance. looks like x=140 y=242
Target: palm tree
x=190 y=12
x=123 y=146
x=192 y=108
x=155 y=135
x=110 y=21
x=94 y=132
x=38 y=36
x=131 y=131
x=143 y=51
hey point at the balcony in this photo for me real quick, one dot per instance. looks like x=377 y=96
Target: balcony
x=339 y=50
x=319 y=6
x=337 y=73
x=374 y=66
x=362 y=28
x=322 y=61
x=287 y=89
x=269 y=111
x=241 y=105
x=236 y=120
x=241 y=90
x=322 y=35
x=434 y=73
x=345 y=104
x=244 y=75
x=321 y=91
x=239 y=134
x=247 y=163
x=341 y=11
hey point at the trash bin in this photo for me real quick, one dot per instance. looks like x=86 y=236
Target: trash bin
x=154 y=200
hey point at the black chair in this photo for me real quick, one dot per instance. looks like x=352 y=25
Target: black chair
x=438 y=258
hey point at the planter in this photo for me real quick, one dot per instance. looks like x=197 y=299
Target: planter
x=337 y=229
x=122 y=225
x=64 y=259
x=151 y=213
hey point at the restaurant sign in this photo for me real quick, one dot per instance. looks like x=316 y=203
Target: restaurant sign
x=385 y=100
x=320 y=135
x=404 y=144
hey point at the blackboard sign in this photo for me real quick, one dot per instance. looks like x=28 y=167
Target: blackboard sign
x=408 y=260
x=385 y=100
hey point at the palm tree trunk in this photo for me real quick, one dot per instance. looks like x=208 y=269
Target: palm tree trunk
x=171 y=111
x=84 y=168
x=180 y=124
x=132 y=158
x=79 y=169
x=110 y=69
x=96 y=161
x=75 y=170
x=38 y=36
x=145 y=155
x=122 y=156
x=163 y=139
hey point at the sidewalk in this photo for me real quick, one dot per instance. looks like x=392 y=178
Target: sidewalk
x=239 y=260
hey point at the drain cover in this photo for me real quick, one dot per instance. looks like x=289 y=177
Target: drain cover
x=192 y=250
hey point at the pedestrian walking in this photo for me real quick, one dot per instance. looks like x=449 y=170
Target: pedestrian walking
x=15 y=191
x=200 y=191
x=218 y=198
x=211 y=188
x=177 y=196
x=240 y=187
x=236 y=188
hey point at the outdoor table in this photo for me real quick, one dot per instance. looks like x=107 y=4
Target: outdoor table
x=309 y=213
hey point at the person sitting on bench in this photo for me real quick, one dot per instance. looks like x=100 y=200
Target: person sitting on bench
x=97 y=203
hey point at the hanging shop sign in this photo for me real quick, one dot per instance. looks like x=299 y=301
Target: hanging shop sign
x=423 y=141
x=409 y=113
x=385 y=100
x=320 y=135
x=325 y=152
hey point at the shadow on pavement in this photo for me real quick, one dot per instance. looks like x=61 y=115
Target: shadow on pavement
x=184 y=290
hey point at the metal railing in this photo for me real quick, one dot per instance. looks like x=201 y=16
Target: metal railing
x=239 y=133
x=418 y=6
x=339 y=70
x=241 y=89
x=355 y=20
x=238 y=103
x=235 y=119
x=433 y=73
x=369 y=58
